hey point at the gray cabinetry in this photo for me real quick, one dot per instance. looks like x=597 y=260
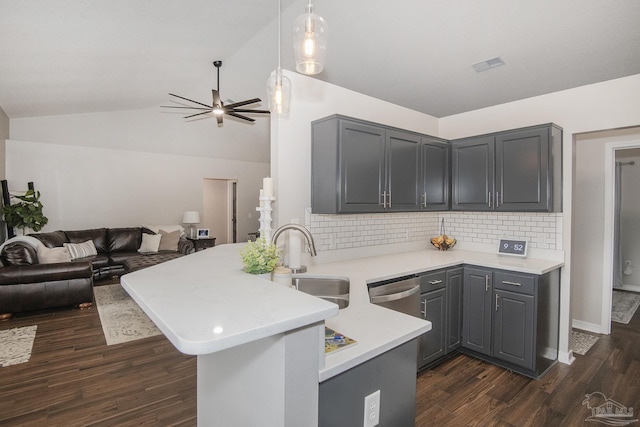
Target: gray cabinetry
x=512 y=318
x=359 y=166
x=476 y=306
x=440 y=304
x=434 y=188
x=400 y=192
x=517 y=170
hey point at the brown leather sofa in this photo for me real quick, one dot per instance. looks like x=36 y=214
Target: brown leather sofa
x=27 y=285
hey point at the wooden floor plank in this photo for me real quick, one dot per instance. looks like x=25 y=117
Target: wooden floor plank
x=74 y=379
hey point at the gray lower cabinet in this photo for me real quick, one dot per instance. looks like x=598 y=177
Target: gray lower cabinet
x=512 y=318
x=441 y=304
x=517 y=170
x=341 y=400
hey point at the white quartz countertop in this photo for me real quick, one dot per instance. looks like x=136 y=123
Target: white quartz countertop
x=205 y=303
x=377 y=329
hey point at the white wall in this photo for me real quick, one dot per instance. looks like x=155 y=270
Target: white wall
x=86 y=187
x=630 y=222
x=313 y=99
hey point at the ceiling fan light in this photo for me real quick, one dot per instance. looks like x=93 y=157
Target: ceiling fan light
x=310 y=33
x=279 y=92
x=217 y=110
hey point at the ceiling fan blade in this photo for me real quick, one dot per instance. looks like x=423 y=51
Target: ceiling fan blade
x=231 y=113
x=198 y=114
x=241 y=103
x=248 y=110
x=190 y=108
x=191 y=100
x=216 y=98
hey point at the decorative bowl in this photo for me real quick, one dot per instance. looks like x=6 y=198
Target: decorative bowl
x=443 y=242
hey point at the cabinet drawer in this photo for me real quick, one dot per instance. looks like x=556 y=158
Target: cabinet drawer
x=515 y=282
x=432 y=280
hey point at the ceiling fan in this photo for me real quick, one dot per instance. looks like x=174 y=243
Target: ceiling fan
x=218 y=109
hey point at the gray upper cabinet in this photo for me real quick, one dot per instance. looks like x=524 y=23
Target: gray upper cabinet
x=510 y=171
x=402 y=172
x=472 y=170
x=358 y=166
x=434 y=187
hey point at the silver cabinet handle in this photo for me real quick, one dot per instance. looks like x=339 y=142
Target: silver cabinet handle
x=490 y=197
x=424 y=200
x=497 y=199
x=497 y=297
x=435 y=282
x=424 y=312
x=506 y=282
x=389 y=199
x=384 y=199
x=486 y=283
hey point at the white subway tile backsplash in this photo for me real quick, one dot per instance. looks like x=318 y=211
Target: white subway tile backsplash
x=543 y=230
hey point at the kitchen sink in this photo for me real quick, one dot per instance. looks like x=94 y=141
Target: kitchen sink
x=332 y=289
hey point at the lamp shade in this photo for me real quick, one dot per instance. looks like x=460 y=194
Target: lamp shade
x=309 y=42
x=191 y=217
x=279 y=91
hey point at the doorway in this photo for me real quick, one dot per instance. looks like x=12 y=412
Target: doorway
x=220 y=209
x=609 y=273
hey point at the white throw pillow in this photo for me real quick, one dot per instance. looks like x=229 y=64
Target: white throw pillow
x=150 y=243
x=50 y=255
x=169 y=228
x=81 y=250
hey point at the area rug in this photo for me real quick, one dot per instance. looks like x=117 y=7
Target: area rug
x=122 y=319
x=582 y=342
x=624 y=306
x=16 y=345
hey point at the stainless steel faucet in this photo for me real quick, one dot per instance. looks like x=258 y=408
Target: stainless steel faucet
x=305 y=233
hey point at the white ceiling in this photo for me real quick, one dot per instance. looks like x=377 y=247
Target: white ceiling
x=75 y=56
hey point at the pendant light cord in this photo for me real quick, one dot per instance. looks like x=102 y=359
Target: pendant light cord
x=279 y=35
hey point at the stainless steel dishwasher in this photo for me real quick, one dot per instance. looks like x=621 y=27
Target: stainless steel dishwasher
x=401 y=294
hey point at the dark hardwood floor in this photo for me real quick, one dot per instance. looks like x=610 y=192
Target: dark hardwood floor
x=74 y=379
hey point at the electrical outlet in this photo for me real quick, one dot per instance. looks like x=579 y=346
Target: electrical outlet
x=372 y=409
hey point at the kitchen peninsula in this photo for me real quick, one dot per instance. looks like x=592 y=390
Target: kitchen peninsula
x=259 y=344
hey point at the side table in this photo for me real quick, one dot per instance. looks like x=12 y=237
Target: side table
x=204 y=243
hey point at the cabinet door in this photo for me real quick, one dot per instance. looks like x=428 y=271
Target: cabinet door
x=513 y=328
x=454 y=309
x=403 y=171
x=472 y=172
x=477 y=297
x=433 y=309
x=361 y=167
x=523 y=177
x=434 y=181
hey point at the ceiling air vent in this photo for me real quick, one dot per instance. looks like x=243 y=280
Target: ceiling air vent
x=489 y=63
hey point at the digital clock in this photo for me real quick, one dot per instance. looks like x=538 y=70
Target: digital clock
x=513 y=247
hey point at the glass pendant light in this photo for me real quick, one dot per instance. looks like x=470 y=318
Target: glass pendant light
x=309 y=42
x=278 y=85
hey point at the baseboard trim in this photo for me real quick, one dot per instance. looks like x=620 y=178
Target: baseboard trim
x=566 y=357
x=586 y=326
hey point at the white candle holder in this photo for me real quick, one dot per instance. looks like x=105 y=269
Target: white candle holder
x=265 y=217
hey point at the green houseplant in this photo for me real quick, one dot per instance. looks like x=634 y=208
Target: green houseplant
x=27 y=213
x=259 y=257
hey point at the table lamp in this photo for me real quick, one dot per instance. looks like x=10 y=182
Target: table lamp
x=190 y=218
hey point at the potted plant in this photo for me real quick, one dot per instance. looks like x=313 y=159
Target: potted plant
x=259 y=257
x=27 y=213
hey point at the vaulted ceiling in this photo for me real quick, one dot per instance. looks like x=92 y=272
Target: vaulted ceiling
x=75 y=56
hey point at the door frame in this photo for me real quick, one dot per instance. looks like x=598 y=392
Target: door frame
x=609 y=213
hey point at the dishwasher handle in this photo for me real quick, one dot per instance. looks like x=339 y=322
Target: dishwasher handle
x=395 y=296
